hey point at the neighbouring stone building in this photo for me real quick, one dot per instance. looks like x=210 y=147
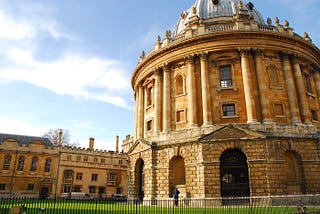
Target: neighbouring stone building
x=35 y=167
x=226 y=105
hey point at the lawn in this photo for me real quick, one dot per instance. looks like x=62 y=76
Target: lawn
x=97 y=207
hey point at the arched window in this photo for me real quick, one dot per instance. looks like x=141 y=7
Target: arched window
x=47 y=167
x=179 y=85
x=21 y=163
x=177 y=172
x=274 y=81
x=34 y=164
x=6 y=162
x=294 y=173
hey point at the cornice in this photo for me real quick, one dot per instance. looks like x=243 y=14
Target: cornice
x=233 y=35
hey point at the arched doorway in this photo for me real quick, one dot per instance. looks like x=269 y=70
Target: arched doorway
x=139 y=179
x=234 y=178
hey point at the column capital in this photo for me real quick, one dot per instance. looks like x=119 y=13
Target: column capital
x=190 y=59
x=166 y=67
x=258 y=52
x=244 y=52
x=157 y=72
x=204 y=56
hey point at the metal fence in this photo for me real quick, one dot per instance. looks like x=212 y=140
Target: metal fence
x=275 y=204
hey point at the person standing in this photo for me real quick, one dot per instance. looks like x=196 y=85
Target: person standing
x=176 y=195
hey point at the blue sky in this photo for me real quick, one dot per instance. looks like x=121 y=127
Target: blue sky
x=67 y=63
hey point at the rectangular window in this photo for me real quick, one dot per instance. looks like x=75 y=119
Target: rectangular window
x=78 y=158
x=95 y=160
x=149 y=96
x=225 y=76
x=92 y=189
x=6 y=163
x=101 y=190
x=85 y=159
x=228 y=110
x=30 y=187
x=94 y=177
x=181 y=116
x=66 y=188
x=314 y=115
x=77 y=189
x=112 y=176
x=308 y=85
x=79 y=176
x=34 y=164
x=2 y=186
x=103 y=160
x=149 y=125
x=68 y=157
x=278 y=110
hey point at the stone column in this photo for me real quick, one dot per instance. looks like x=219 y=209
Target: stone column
x=192 y=99
x=303 y=101
x=291 y=89
x=140 y=112
x=206 y=95
x=316 y=77
x=157 y=101
x=247 y=87
x=136 y=101
x=264 y=100
x=166 y=98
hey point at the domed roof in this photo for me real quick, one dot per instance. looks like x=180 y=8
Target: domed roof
x=214 y=9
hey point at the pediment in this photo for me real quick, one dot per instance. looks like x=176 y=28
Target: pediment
x=231 y=132
x=140 y=145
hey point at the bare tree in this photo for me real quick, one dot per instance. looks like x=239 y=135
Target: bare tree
x=53 y=135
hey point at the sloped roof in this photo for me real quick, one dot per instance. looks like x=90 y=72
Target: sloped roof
x=27 y=140
x=231 y=132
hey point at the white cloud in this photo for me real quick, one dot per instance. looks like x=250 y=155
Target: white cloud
x=91 y=78
x=12 y=126
x=71 y=73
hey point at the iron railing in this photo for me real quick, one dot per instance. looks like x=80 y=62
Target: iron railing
x=273 y=204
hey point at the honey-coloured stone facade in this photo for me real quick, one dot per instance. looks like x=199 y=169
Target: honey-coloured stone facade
x=226 y=106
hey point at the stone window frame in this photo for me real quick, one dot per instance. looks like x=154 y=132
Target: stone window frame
x=283 y=109
x=21 y=162
x=92 y=189
x=182 y=87
x=94 y=177
x=79 y=176
x=47 y=165
x=3 y=186
x=149 y=93
x=273 y=83
x=235 y=104
x=226 y=63
x=231 y=78
x=6 y=162
x=184 y=111
x=314 y=115
x=308 y=81
x=149 y=125
x=34 y=164
x=30 y=187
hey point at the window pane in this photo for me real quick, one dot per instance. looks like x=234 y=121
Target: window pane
x=225 y=76
x=228 y=110
x=6 y=163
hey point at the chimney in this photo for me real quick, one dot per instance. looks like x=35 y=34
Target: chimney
x=117 y=144
x=91 y=143
x=59 y=137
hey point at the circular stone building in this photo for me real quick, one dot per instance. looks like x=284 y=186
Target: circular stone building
x=226 y=105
